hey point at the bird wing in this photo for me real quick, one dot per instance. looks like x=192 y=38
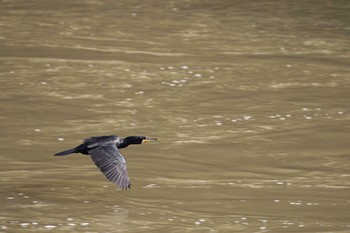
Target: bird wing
x=111 y=163
x=101 y=140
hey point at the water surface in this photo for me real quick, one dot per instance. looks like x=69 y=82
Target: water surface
x=249 y=101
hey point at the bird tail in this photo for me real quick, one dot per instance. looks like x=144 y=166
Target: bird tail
x=66 y=152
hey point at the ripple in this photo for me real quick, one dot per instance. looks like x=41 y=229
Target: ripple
x=76 y=96
x=50 y=226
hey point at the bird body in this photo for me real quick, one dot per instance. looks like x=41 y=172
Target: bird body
x=104 y=152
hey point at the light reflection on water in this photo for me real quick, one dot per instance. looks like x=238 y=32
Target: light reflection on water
x=250 y=108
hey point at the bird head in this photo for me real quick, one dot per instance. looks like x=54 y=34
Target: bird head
x=147 y=139
x=135 y=140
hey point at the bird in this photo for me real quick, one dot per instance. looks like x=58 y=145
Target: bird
x=104 y=152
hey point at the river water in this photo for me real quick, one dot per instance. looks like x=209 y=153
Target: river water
x=249 y=101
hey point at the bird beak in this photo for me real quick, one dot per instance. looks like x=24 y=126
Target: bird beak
x=149 y=140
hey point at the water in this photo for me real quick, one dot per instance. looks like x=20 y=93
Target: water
x=249 y=101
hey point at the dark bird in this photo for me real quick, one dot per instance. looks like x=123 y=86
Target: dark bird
x=104 y=151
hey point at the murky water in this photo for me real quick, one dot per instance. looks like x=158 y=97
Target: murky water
x=249 y=100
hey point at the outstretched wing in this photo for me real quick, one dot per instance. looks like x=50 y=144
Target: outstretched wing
x=111 y=163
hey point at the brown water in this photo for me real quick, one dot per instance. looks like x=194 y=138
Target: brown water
x=249 y=101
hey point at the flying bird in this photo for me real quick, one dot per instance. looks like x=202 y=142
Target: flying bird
x=104 y=152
